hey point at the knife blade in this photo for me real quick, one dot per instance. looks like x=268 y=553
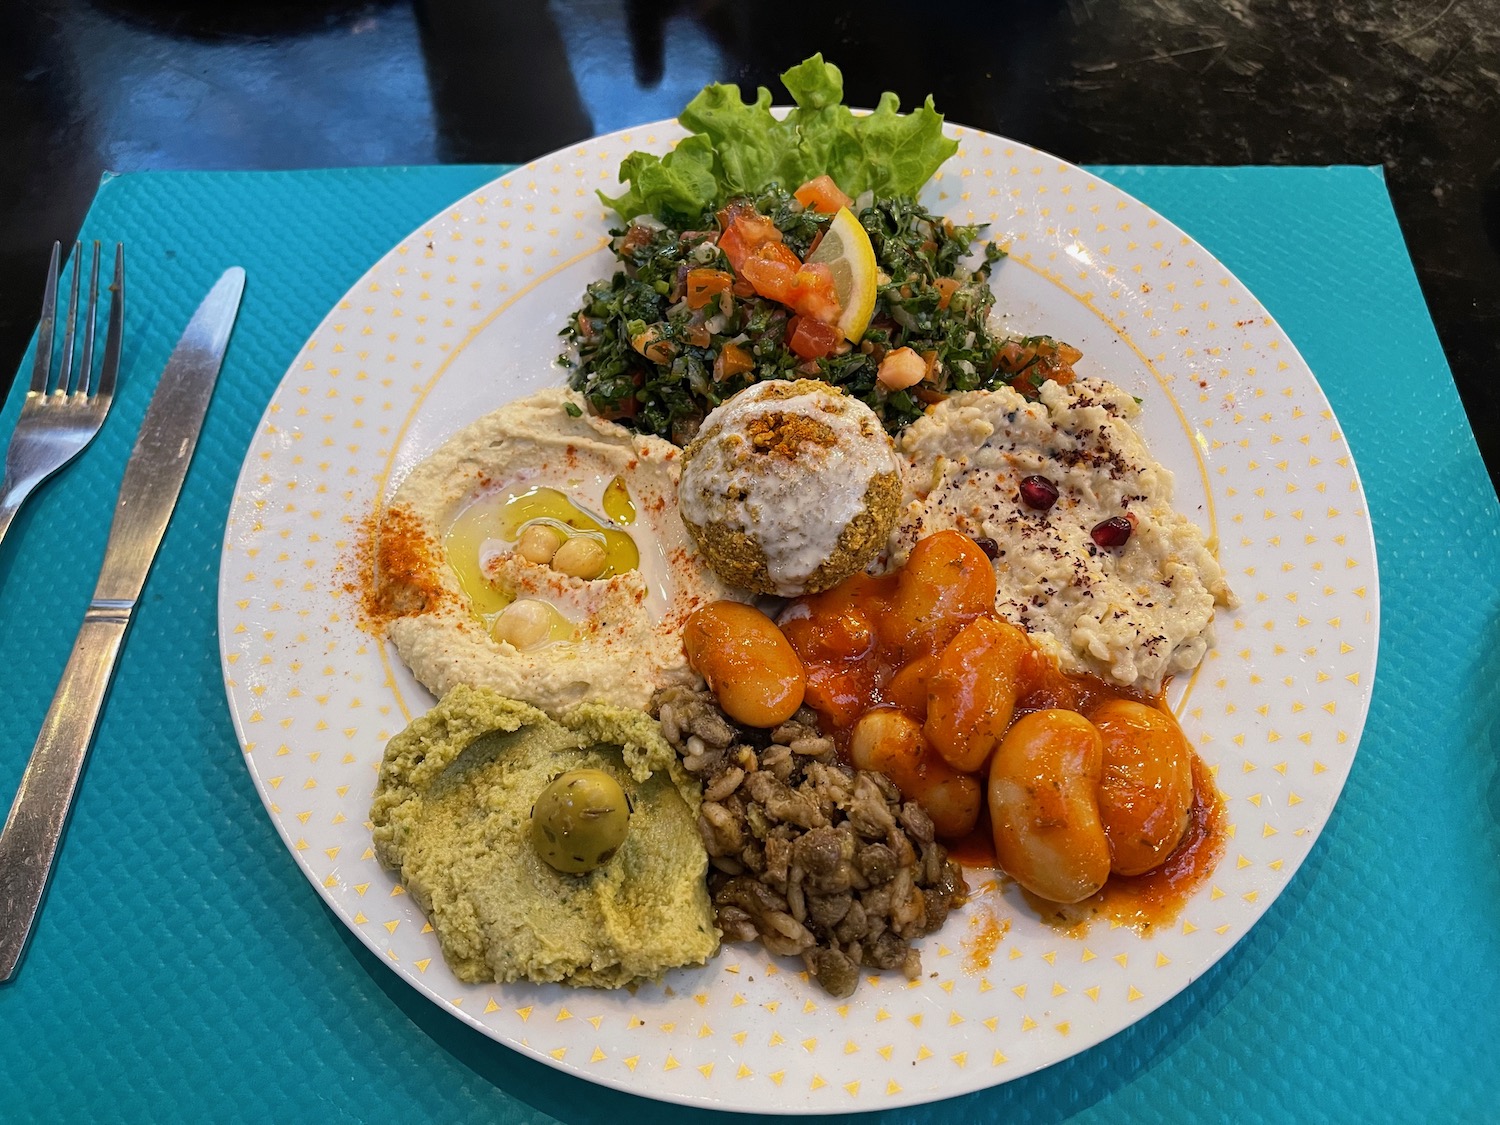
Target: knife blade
x=153 y=480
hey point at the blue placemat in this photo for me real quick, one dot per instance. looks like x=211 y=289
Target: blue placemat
x=185 y=971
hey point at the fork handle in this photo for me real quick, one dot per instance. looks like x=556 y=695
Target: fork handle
x=39 y=813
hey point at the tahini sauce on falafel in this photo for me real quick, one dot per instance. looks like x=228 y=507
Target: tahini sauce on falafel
x=790 y=487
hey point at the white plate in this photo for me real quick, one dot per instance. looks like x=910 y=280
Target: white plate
x=463 y=315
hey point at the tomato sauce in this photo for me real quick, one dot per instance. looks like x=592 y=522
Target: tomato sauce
x=1139 y=901
x=1144 y=902
x=877 y=642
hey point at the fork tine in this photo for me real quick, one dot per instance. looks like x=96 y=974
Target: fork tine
x=86 y=363
x=116 y=331
x=65 y=370
x=41 y=368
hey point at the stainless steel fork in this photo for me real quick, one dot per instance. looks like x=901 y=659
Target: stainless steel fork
x=59 y=419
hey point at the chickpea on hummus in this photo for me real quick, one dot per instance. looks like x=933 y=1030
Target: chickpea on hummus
x=539 y=553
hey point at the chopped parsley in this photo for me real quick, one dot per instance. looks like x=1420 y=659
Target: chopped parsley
x=646 y=359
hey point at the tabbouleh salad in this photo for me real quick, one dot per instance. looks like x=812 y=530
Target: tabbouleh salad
x=716 y=291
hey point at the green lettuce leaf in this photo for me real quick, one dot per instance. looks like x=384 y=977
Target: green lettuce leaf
x=737 y=147
x=676 y=186
x=745 y=139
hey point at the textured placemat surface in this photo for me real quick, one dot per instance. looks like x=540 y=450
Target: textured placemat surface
x=184 y=970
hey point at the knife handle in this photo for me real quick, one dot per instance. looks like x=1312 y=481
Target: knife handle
x=39 y=813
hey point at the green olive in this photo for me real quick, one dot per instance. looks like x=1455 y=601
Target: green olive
x=580 y=820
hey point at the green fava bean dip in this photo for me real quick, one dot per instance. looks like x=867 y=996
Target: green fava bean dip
x=452 y=814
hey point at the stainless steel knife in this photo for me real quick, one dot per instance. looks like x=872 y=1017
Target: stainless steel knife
x=153 y=479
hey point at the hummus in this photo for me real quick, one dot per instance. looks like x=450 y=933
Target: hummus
x=1134 y=614
x=447 y=562
x=452 y=814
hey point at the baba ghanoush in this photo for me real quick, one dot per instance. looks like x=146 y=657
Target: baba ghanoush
x=1090 y=557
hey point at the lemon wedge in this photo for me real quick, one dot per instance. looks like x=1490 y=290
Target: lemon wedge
x=847 y=252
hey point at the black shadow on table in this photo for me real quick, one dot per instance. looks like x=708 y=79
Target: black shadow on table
x=502 y=87
x=248 y=19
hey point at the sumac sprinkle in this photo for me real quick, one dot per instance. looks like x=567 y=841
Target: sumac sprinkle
x=1113 y=532
x=990 y=548
x=1038 y=492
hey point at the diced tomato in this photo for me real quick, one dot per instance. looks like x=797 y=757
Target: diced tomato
x=732 y=243
x=625 y=408
x=812 y=339
x=735 y=210
x=636 y=237
x=758 y=228
x=704 y=285
x=834 y=634
x=771 y=268
x=732 y=360
x=744 y=229
x=1013 y=356
x=653 y=345
x=813 y=294
x=822 y=195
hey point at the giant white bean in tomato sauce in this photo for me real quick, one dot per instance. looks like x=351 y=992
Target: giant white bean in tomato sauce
x=912 y=673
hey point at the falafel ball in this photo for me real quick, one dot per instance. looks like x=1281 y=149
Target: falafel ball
x=790 y=487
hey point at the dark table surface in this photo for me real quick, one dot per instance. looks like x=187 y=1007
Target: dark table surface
x=129 y=85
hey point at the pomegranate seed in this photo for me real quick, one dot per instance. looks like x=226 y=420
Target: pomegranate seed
x=1113 y=532
x=1038 y=492
x=990 y=548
